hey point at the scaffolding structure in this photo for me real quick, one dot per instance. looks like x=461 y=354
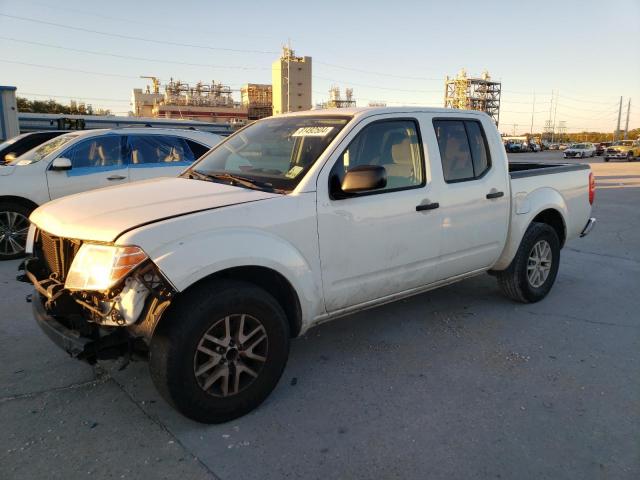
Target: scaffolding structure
x=336 y=100
x=202 y=95
x=473 y=93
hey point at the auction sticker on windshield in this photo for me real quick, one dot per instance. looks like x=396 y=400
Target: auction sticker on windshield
x=312 y=132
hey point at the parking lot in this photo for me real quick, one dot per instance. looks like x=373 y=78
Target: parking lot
x=458 y=383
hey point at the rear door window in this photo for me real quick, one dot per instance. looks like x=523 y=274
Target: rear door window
x=159 y=150
x=463 y=149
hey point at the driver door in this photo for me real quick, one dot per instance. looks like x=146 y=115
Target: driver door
x=376 y=244
x=95 y=162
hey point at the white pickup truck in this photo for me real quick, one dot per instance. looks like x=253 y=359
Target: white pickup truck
x=290 y=222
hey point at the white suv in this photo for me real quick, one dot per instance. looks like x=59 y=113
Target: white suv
x=85 y=160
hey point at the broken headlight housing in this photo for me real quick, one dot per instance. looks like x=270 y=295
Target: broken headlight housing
x=99 y=267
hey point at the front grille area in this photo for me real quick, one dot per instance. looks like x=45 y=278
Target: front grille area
x=57 y=253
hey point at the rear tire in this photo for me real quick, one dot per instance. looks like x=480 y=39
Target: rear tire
x=630 y=156
x=528 y=280
x=14 y=226
x=205 y=365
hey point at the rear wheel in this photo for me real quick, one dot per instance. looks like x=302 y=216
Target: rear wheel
x=220 y=351
x=629 y=156
x=533 y=271
x=14 y=226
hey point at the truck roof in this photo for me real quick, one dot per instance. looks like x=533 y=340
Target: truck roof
x=367 y=111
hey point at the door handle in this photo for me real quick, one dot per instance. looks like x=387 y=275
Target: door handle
x=427 y=206
x=495 y=195
x=116 y=177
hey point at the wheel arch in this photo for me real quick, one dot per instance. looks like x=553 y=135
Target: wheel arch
x=555 y=220
x=20 y=200
x=270 y=280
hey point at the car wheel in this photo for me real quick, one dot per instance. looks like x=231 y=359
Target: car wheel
x=533 y=271
x=220 y=350
x=606 y=159
x=14 y=226
x=629 y=156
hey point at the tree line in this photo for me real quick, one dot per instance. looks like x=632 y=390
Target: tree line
x=51 y=106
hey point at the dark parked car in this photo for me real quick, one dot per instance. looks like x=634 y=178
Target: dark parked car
x=601 y=147
x=16 y=146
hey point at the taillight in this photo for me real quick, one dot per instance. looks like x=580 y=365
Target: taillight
x=592 y=188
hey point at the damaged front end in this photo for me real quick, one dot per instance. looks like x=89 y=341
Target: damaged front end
x=101 y=321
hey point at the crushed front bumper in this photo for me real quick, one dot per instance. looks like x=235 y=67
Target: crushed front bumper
x=86 y=341
x=69 y=340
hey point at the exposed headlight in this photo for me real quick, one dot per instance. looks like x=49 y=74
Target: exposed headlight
x=100 y=267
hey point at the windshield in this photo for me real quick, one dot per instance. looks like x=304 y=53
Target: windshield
x=38 y=153
x=626 y=143
x=275 y=152
x=11 y=141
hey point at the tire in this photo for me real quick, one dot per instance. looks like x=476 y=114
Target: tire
x=630 y=156
x=14 y=226
x=176 y=350
x=606 y=159
x=515 y=282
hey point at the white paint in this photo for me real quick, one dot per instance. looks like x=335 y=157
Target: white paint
x=340 y=256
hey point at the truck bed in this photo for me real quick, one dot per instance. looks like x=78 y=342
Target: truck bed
x=532 y=169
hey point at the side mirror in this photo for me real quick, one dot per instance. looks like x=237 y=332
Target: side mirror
x=363 y=178
x=61 y=164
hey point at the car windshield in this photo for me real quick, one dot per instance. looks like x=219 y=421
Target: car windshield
x=626 y=143
x=36 y=154
x=11 y=141
x=274 y=153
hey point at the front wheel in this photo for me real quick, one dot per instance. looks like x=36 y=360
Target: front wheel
x=220 y=350
x=629 y=156
x=14 y=226
x=533 y=271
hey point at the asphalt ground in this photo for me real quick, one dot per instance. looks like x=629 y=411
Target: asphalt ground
x=458 y=383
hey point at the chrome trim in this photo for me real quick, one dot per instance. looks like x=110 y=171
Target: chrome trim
x=588 y=227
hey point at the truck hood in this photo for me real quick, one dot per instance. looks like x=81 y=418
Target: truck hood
x=103 y=214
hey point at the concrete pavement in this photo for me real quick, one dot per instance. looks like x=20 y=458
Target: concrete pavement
x=456 y=383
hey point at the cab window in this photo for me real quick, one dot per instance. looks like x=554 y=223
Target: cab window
x=392 y=144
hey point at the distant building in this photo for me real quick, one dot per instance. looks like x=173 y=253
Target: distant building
x=205 y=102
x=258 y=100
x=291 y=78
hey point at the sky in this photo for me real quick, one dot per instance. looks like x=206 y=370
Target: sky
x=584 y=55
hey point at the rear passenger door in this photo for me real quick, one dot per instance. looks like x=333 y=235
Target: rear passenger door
x=474 y=204
x=95 y=162
x=159 y=156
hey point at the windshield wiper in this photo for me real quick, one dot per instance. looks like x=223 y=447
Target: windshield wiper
x=234 y=180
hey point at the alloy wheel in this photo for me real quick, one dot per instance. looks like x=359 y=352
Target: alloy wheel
x=14 y=228
x=539 y=263
x=230 y=355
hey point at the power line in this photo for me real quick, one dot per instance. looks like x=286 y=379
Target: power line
x=76 y=97
x=129 y=57
x=130 y=37
x=391 y=75
x=102 y=74
x=376 y=86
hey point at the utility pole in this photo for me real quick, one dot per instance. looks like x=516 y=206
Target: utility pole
x=626 y=127
x=617 y=132
x=555 y=114
x=533 y=111
x=515 y=125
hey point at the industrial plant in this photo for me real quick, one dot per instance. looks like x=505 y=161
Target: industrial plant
x=473 y=93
